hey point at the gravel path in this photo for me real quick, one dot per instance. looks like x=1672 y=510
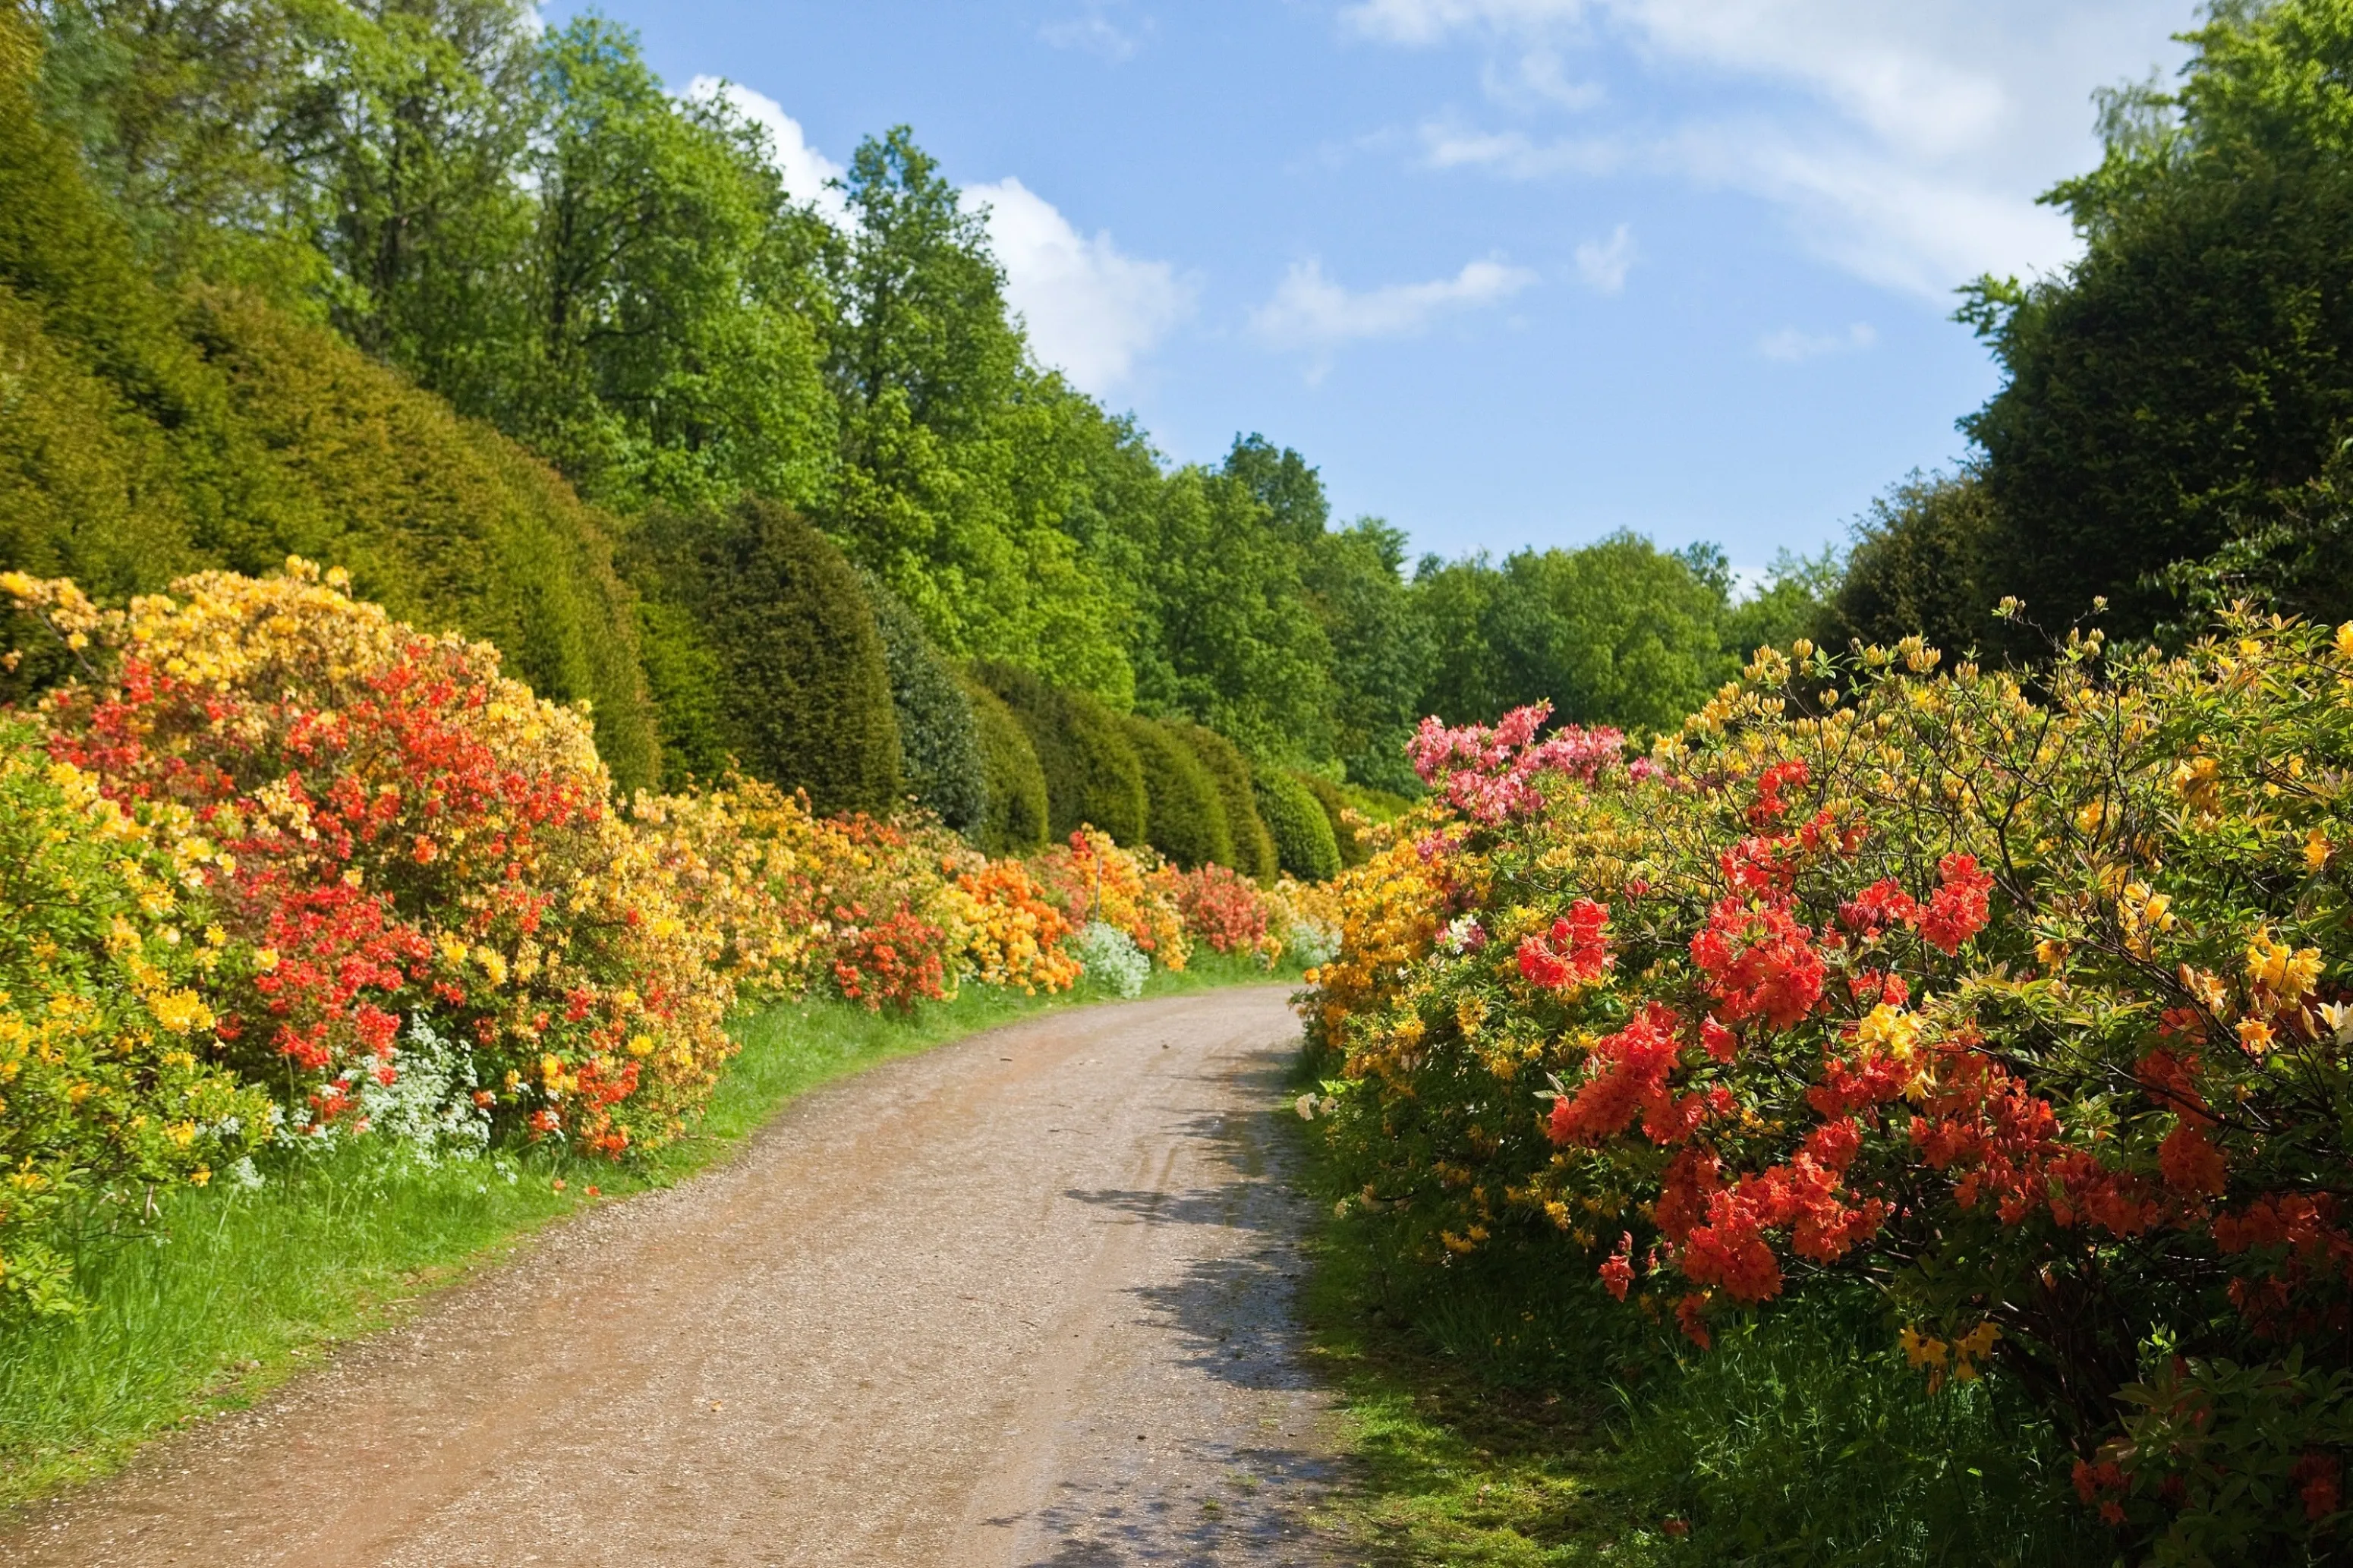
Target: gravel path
x=1019 y=1300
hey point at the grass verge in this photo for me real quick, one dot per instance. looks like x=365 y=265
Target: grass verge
x=1502 y=1415
x=221 y=1294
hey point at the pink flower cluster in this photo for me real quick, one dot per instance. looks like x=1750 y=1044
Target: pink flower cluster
x=1489 y=774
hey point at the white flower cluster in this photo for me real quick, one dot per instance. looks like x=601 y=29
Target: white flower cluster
x=429 y=1106
x=1110 y=955
x=1313 y=942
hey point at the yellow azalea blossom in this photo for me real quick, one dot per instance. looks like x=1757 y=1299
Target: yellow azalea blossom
x=2254 y=1036
x=181 y=1011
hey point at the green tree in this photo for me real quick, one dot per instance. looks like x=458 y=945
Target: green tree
x=1187 y=816
x=1618 y=632
x=1015 y=817
x=2195 y=367
x=1919 y=565
x=1230 y=773
x=668 y=360
x=940 y=740
x=1093 y=777
x=1239 y=646
x=1381 y=650
x=938 y=413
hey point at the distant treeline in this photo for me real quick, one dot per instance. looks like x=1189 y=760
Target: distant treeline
x=542 y=350
x=227 y=215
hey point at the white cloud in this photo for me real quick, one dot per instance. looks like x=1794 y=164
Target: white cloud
x=805 y=170
x=1793 y=347
x=1094 y=32
x=1603 y=264
x=1092 y=309
x=1906 y=141
x=1310 y=310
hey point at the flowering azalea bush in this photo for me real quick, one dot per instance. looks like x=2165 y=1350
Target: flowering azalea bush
x=107 y=1079
x=1013 y=936
x=2032 y=1008
x=381 y=823
x=1224 y=909
x=1094 y=878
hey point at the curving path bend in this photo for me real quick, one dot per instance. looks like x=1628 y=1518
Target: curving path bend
x=1023 y=1300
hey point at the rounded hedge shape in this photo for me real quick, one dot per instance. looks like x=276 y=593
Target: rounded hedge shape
x=939 y=736
x=765 y=655
x=1014 y=812
x=1229 y=772
x=1092 y=774
x=1189 y=817
x=1303 y=842
x=1332 y=800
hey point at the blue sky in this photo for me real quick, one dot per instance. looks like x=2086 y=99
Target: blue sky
x=1509 y=271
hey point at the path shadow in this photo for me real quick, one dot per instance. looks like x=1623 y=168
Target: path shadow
x=1233 y=1320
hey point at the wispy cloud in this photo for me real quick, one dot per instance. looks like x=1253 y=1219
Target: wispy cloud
x=1603 y=264
x=1093 y=310
x=1093 y=32
x=1906 y=142
x=1310 y=310
x=805 y=170
x=1793 y=346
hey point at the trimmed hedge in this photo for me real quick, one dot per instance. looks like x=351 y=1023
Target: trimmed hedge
x=1189 y=817
x=1332 y=799
x=148 y=434
x=939 y=736
x=1303 y=842
x=766 y=656
x=1229 y=772
x=1014 y=815
x=1092 y=774
x=439 y=518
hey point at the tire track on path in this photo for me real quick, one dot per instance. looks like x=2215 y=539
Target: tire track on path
x=1024 y=1299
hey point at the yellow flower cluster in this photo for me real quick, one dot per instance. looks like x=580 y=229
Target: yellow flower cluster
x=101 y=1025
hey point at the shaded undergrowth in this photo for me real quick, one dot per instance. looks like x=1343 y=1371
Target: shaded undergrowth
x=199 y=1301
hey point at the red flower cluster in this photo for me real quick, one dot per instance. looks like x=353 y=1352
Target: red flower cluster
x=1573 y=952
x=1628 y=1073
x=1760 y=961
x=1223 y=907
x=1959 y=908
x=895 y=960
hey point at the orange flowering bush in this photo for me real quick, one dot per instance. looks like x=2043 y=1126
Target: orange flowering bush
x=2031 y=1008
x=1224 y=909
x=1094 y=878
x=388 y=827
x=1013 y=936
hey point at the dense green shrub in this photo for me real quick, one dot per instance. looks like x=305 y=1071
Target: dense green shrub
x=939 y=736
x=1304 y=841
x=1229 y=772
x=149 y=434
x=767 y=654
x=1014 y=815
x=1092 y=774
x=1332 y=799
x=1189 y=818
x=1920 y=561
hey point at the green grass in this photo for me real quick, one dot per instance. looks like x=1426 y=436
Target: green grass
x=1503 y=1415
x=222 y=1294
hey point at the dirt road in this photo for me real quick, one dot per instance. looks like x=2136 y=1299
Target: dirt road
x=1021 y=1300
